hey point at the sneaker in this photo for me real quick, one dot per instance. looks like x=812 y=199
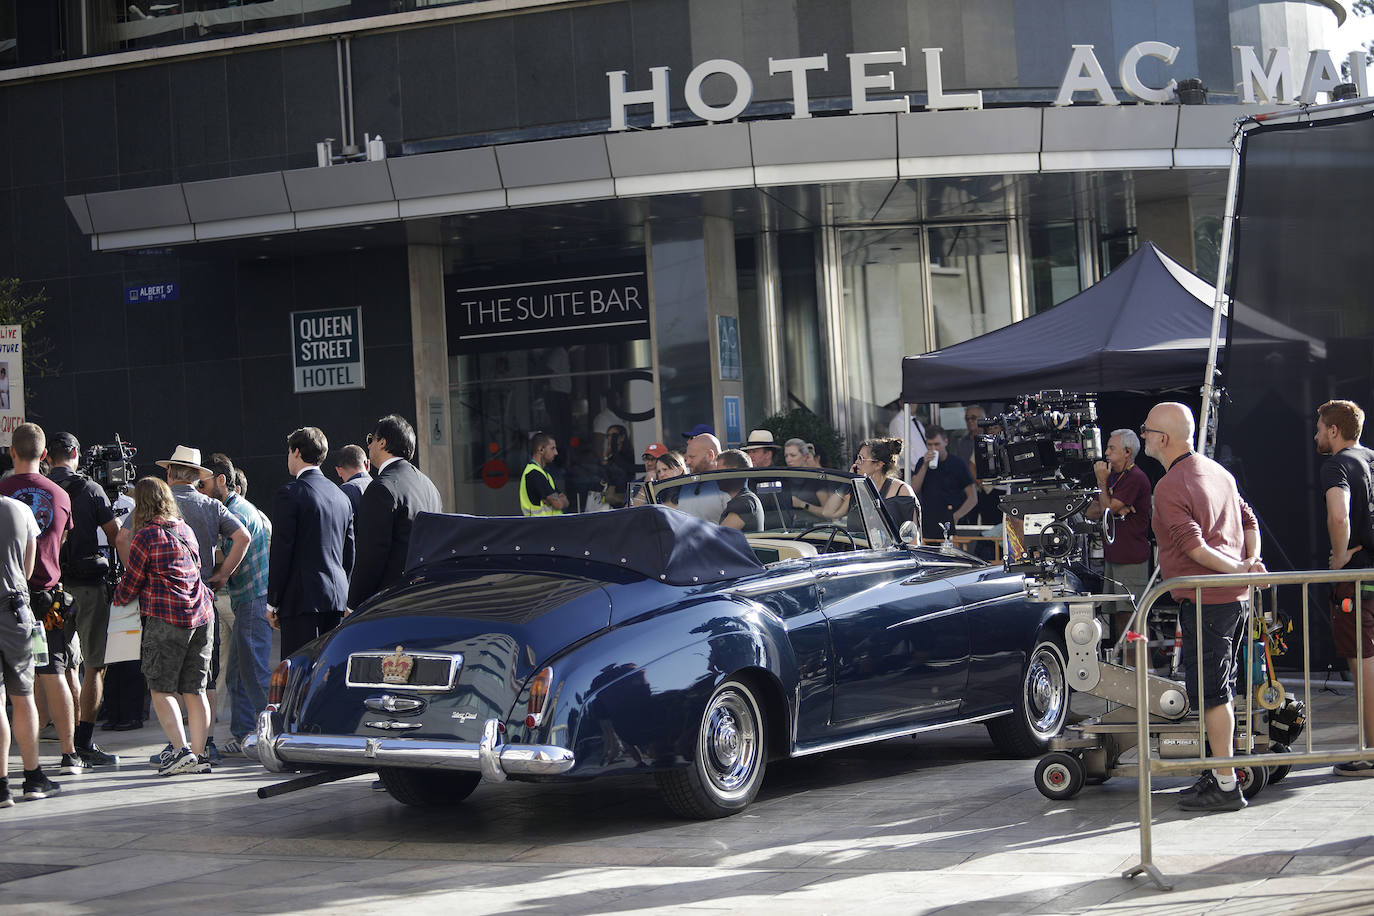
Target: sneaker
x=211 y=751
x=47 y=733
x=202 y=765
x=1214 y=798
x=93 y=756
x=1208 y=778
x=5 y=800
x=1354 y=768
x=72 y=765
x=179 y=762
x=40 y=786
x=232 y=748
x=162 y=756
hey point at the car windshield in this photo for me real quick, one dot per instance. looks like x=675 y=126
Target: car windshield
x=831 y=510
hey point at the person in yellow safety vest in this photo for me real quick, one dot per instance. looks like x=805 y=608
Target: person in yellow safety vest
x=538 y=496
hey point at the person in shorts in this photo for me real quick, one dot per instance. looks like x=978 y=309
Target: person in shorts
x=18 y=548
x=177 y=608
x=1202 y=526
x=1346 y=494
x=52 y=509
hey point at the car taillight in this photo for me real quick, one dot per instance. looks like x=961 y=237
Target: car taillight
x=276 y=688
x=539 y=695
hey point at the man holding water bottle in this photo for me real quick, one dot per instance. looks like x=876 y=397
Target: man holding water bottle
x=18 y=549
x=945 y=484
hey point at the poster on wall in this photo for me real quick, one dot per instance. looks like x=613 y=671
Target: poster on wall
x=11 y=381
x=727 y=338
x=327 y=349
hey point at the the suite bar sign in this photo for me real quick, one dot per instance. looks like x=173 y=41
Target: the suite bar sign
x=870 y=72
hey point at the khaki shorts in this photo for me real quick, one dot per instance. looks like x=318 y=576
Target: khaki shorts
x=1343 y=621
x=92 y=621
x=16 y=652
x=175 y=659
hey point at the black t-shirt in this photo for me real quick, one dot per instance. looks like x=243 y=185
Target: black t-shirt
x=90 y=510
x=747 y=506
x=536 y=486
x=1350 y=469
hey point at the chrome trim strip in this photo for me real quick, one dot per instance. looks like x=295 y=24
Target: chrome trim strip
x=490 y=757
x=937 y=615
x=455 y=664
x=893 y=733
x=877 y=566
x=763 y=586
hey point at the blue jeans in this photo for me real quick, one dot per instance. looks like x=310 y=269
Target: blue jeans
x=249 y=668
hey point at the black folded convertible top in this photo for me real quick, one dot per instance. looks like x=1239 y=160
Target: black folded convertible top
x=655 y=541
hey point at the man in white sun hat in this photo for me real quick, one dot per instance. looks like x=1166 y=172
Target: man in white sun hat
x=761 y=448
x=209 y=519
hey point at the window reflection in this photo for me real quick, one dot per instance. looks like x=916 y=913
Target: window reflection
x=970 y=281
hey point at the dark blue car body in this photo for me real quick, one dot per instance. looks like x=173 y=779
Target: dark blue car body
x=684 y=658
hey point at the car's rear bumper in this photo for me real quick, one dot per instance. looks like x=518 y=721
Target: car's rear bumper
x=490 y=756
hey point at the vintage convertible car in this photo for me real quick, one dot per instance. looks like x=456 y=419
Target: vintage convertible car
x=646 y=640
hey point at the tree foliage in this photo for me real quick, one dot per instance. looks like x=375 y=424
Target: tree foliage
x=800 y=423
x=26 y=310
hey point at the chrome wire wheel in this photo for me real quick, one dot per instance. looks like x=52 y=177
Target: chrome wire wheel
x=730 y=743
x=1047 y=691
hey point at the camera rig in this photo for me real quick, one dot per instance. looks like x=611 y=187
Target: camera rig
x=1042 y=449
x=110 y=466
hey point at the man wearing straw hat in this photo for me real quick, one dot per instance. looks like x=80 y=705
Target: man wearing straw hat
x=210 y=519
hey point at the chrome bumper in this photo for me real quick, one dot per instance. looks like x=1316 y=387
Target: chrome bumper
x=490 y=757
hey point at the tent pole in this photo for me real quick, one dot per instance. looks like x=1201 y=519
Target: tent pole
x=1206 y=441
x=907 y=447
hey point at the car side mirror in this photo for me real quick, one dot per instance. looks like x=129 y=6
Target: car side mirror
x=909 y=533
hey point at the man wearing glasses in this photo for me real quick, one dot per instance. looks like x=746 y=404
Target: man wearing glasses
x=1202 y=526
x=388 y=508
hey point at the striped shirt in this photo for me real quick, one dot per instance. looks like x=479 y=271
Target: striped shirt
x=249 y=581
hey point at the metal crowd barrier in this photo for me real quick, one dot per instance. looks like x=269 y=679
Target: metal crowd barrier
x=1151 y=765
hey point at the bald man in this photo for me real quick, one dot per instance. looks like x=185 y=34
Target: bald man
x=705 y=499
x=1203 y=526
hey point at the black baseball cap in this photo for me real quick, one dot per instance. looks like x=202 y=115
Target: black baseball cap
x=64 y=444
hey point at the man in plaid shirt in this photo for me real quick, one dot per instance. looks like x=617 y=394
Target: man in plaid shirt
x=250 y=646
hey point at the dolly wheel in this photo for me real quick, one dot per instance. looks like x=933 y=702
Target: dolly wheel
x=1060 y=776
x=1277 y=773
x=1252 y=780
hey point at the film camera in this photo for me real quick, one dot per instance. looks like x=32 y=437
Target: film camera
x=1043 y=454
x=110 y=466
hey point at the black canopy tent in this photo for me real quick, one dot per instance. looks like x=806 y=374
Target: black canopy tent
x=1144 y=326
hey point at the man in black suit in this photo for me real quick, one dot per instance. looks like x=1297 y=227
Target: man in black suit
x=351 y=468
x=312 y=547
x=388 y=508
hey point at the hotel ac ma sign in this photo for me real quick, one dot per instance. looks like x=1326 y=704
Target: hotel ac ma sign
x=1269 y=81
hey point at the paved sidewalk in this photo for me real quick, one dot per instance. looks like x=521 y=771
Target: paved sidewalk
x=907 y=826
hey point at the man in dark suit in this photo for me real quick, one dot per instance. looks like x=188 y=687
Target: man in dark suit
x=351 y=467
x=388 y=508
x=312 y=547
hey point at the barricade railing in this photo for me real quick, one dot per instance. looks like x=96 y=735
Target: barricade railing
x=1151 y=766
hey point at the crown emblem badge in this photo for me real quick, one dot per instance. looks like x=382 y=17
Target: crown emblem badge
x=396 y=667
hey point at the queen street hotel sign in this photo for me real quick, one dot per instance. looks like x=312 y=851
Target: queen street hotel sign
x=327 y=349
x=1273 y=81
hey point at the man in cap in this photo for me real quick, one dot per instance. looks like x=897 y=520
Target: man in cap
x=83 y=576
x=761 y=448
x=650 y=457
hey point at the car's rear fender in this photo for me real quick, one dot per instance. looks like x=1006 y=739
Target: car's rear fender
x=631 y=699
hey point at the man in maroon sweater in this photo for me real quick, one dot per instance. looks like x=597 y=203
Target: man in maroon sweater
x=1203 y=526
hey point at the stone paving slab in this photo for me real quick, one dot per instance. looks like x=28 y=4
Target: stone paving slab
x=937 y=825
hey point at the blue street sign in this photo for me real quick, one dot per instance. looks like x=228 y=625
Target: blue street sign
x=152 y=292
x=734 y=428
